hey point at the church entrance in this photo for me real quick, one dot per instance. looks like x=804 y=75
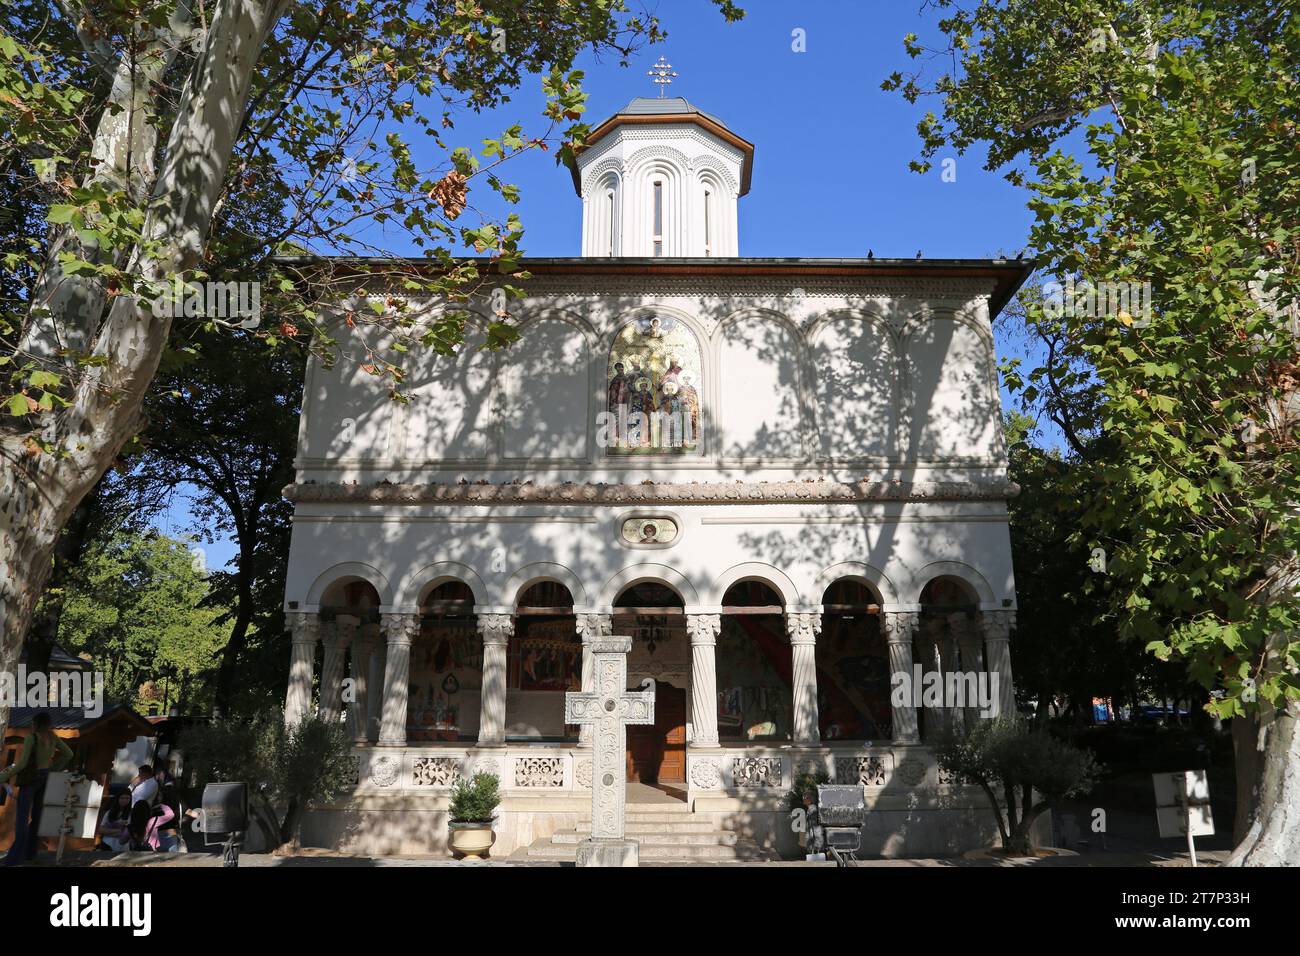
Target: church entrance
x=657 y=753
x=652 y=614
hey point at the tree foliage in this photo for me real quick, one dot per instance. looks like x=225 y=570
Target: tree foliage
x=134 y=125
x=1157 y=140
x=137 y=606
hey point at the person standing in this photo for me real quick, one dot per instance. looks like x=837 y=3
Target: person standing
x=42 y=752
x=144 y=788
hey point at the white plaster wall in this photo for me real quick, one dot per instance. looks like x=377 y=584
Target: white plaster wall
x=833 y=379
x=797 y=549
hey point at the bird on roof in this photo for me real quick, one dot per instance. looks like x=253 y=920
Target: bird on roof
x=918 y=253
x=870 y=254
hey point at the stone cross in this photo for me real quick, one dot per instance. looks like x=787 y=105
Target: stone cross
x=609 y=708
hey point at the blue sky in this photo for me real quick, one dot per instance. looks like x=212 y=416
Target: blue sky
x=830 y=169
x=831 y=173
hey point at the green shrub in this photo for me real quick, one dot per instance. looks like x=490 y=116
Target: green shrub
x=476 y=800
x=288 y=768
x=1024 y=763
x=803 y=782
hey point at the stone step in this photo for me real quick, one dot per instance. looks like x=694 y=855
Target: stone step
x=657 y=851
x=671 y=826
x=643 y=816
x=707 y=838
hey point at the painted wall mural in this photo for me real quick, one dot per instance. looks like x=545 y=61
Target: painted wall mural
x=653 y=389
x=545 y=655
x=446 y=675
x=754 y=696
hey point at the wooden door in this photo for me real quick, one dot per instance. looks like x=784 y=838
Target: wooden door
x=657 y=753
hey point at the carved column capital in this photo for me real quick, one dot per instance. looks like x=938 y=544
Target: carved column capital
x=305 y=627
x=803 y=627
x=592 y=627
x=900 y=626
x=338 y=634
x=400 y=628
x=496 y=628
x=703 y=628
x=997 y=625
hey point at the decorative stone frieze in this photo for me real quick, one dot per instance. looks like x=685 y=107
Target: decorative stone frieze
x=869 y=770
x=443 y=772
x=545 y=772
x=754 y=772
x=384 y=770
x=705 y=774
x=649 y=492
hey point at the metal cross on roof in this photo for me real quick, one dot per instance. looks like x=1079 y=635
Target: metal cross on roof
x=663 y=75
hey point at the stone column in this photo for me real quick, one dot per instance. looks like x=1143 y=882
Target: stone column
x=900 y=629
x=591 y=628
x=399 y=630
x=803 y=628
x=997 y=626
x=496 y=630
x=363 y=651
x=337 y=636
x=970 y=644
x=937 y=656
x=375 y=702
x=703 y=630
x=302 y=665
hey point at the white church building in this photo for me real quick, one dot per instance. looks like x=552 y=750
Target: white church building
x=784 y=479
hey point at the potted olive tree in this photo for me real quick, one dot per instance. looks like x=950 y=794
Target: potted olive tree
x=473 y=808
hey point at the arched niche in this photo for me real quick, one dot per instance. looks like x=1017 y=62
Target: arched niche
x=449 y=413
x=758 y=415
x=348 y=411
x=856 y=374
x=546 y=383
x=952 y=402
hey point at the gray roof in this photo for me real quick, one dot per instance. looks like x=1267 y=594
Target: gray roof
x=668 y=106
x=69 y=718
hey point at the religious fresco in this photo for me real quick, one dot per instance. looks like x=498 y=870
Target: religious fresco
x=654 y=385
x=754 y=694
x=853 y=685
x=445 y=678
x=645 y=530
x=545 y=655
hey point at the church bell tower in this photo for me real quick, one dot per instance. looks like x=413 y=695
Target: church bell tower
x=661 y=179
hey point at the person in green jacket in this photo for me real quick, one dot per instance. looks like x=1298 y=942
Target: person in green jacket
x=42 y=752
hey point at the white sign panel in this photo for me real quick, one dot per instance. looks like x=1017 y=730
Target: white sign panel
x=1183 y=798
x=87 y=795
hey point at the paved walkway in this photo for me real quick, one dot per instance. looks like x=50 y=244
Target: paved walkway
x=313 y=858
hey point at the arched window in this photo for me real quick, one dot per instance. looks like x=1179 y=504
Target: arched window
x=708 y=222
x=657 y=238
x=654 y=388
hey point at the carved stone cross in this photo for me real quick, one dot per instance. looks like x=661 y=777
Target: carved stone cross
x=609 y=708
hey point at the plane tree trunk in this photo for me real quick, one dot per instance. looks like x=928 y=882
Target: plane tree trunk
x=40 y=487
